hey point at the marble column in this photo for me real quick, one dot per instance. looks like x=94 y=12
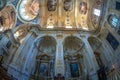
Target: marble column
x=20 y=49
x=12 y=49
x=59 y=60
x=16 y=68
x=67 y=72
x=92 y=63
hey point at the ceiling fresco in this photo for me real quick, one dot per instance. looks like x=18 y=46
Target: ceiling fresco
x=7 y=17
x=57 y=14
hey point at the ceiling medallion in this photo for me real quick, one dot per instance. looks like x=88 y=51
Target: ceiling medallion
x=28 y=9
x=51 y=5
x=83 y=7
x=68 y=5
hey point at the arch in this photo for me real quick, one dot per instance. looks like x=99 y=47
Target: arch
x=72 y=44
x=46 y=46
x=28 y=26
x=45 y=42
x=94 y=42
x=98 y=50
x=22 y=30
x=42 y=56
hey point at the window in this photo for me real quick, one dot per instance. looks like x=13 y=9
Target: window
x=117 y=6
x=97 y=12
x=113 y=21
x=43 y=70
x=112 y=41
x=74 y=70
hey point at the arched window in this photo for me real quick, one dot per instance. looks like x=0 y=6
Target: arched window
x=113 y=20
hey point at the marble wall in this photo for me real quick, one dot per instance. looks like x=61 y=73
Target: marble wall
x=23 y=63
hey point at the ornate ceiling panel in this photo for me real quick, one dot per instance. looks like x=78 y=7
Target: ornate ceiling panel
x=7 y=18
x=61 y=14
x=68 y=14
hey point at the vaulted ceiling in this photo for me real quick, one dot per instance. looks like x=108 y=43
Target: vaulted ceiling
x=60 y=14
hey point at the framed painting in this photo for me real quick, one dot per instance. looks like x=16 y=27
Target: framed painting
x=112 y=40
x=74 y=70
x=43 y=69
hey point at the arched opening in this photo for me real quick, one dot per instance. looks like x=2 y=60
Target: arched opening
x=20 y=32
x=96 y=44
x=45 y=58
x=99 y=61
x=99 y=55
x=73 y=57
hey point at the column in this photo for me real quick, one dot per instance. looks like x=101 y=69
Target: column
x=91 y=60
x=52 y=68
x=67 y=74
x=59 y=60
x=20 y=49
x=16 y=68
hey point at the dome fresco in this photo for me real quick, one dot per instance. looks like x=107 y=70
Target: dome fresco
x=60 y=14
x=28 y=9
